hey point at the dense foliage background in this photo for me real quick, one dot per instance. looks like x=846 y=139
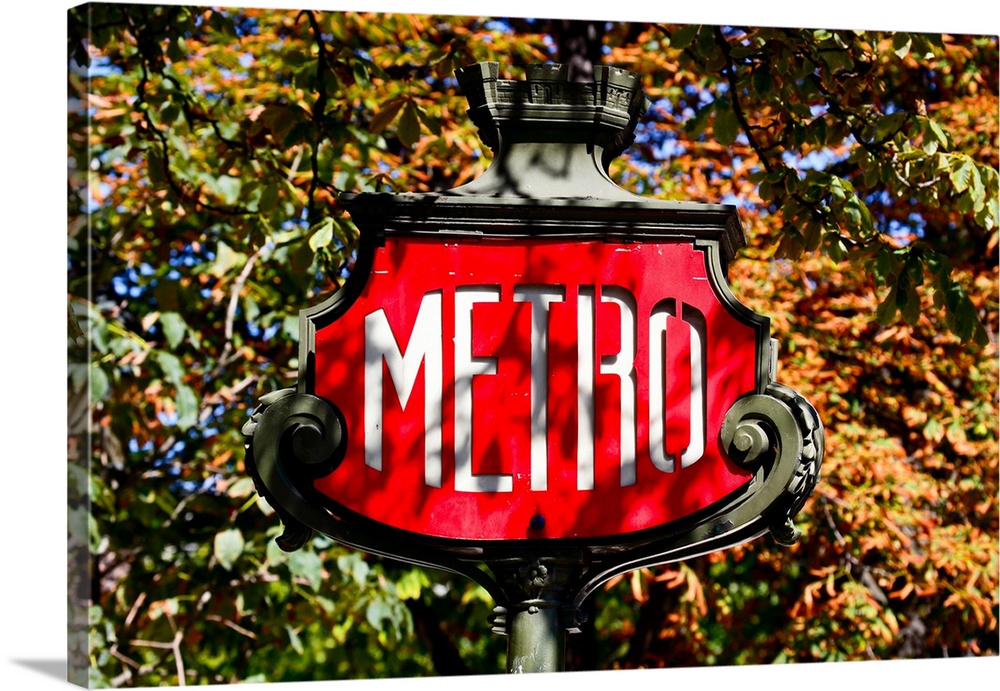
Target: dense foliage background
x=208 y=148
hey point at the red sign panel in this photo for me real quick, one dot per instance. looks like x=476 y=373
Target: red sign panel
x=504 y=390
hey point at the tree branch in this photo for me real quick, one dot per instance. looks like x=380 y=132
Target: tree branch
x=317 y=112
x=729 y=71
x=147 y=65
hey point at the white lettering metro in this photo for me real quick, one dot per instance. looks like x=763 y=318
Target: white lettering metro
x=425 y=349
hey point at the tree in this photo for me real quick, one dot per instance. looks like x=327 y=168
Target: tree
x=210 y=147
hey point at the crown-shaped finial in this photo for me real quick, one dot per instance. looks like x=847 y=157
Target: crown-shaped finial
x=603 y=112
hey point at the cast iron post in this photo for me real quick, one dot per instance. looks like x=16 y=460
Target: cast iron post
x=540 y=611
x=537 y=641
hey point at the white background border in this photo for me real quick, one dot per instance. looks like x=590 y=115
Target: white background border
x=33 y=319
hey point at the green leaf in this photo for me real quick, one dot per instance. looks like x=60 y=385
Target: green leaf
x=852 y=209
x=294 y=640
x=376 y=612
x=835 y=246
x=409 y=585
x=290 y=327
x=99 y=383
x=155 y=167
x=873 y=173
x=778 y=175
x=976 y=188
x=966 y=202
x=228 y=188
x=885 y=313
x=791 y=245
x=913 y=268
x=682 y=36
x=226 y=260
x=937 y=132
x=476 y=593
x=280 y=119
x=889 y=125
x=696 y=124
x=322 y=234
x=908 y=302
x=886 y=265
x=726 y=125
x=766 y=191
x=387 y=113
x=171 y=366
x=296 y=57
x=228 y=547
x=307 y=565
x=251 y=310
x=169 y=113
x=986 y=217
x=301 y=258
x=836 y=60
x=187 y=407
x=353 y=565
x=901 y=43
x=305 y=78
x=812 y=234
x=243 y=487
x=275 y=555
x=937 y=264
x=964 y=321
x=268 y=197
x=360 y=71
x=432 y=124
x=933 y=430
x=960 y=173
x=326 y=604
x=174 y=327
x=714 y=58
x=79 y=374
x=818 y=131
x=409 y=126
x=264 y=507
x=177 y=51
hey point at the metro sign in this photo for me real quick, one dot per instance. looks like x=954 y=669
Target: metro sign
x=537 y=380
x=535 y=389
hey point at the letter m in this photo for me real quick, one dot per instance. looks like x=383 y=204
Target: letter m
x=423 y=348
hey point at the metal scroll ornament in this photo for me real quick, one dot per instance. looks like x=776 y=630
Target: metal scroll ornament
x=537 y=380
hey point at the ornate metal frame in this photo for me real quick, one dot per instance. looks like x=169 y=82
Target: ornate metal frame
x=295 y=436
